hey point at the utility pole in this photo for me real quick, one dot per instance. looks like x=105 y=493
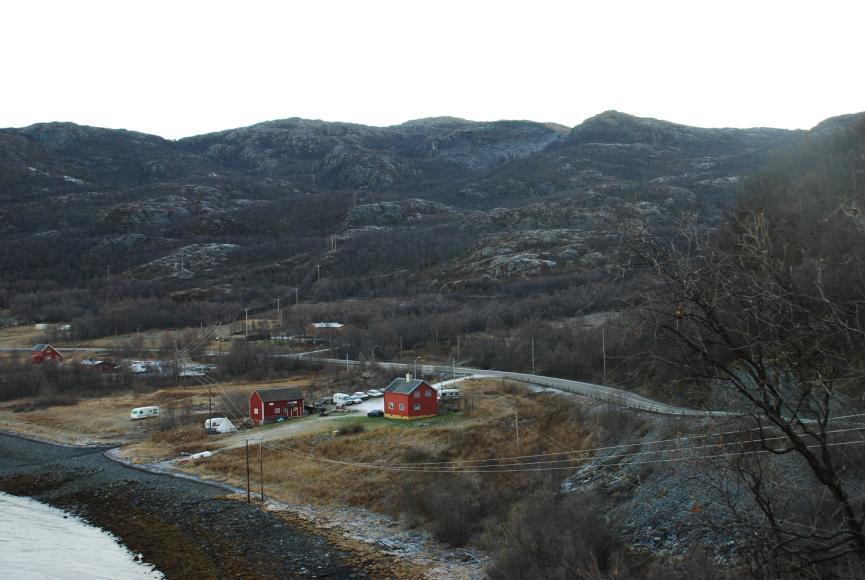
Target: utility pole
x=533 y=355
x=346 y=364
x=318 y=271
x=296 y=297
x=458 y=346
x=261 y=466
x=517 y=425
x=248 y=496
x=246 y=318
x=209 y=408
x=604 y=349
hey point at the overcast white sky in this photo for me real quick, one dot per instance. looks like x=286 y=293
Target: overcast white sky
x=184 y=67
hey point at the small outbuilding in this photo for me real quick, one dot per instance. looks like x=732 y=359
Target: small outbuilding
x=409 y=398
x=44 y=352
x=269 y=405
x=325 y=329
x=98 y=365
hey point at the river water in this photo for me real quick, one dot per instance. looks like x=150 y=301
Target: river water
x=39 y=541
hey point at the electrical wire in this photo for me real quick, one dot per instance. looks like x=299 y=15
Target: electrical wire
x=628 y=445
x=461 y=465
x=408 y=466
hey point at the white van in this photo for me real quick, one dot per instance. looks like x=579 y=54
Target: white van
x=339 y=399
x=144 y=412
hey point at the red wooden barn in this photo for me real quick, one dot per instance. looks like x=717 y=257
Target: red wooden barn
x=44 y=352
x=409 y=399
x=271 y=404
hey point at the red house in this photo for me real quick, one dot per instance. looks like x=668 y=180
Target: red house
x=271 y=404
x=44 y=352
x=409 y=399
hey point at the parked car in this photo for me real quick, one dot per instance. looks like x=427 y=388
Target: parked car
x=353 y=401
x=375 y=393
x=361 y=395
x=376 y=413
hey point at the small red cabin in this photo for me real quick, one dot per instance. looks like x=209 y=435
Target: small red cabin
x=409 y=399
x=44 y=352
x=272 y=404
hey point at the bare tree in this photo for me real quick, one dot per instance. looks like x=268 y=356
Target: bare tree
x=745 y=315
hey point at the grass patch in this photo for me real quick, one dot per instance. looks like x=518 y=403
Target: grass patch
x=437 y=501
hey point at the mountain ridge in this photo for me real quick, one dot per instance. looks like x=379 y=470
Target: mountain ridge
x=281 y=190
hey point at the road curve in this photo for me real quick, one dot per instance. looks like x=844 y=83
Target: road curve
x=599 y=392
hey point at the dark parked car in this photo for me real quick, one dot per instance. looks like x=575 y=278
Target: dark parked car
x=376 y=413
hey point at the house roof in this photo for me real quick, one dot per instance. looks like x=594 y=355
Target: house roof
x=41 y=347
x=92 y=362
x=281 y=394
x=403 y=386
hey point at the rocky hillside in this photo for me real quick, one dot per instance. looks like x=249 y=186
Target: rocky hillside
x=436 y=201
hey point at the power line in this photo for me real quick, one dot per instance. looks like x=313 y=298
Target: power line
x=627 y=445
x=468 y=462
x=408 y=467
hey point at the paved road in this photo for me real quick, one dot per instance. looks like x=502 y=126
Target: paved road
x=598 y=392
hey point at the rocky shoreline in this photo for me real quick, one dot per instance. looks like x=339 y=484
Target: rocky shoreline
x=184 y=528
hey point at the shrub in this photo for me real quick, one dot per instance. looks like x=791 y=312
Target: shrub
x=551 y=535
x=45 y=401
x=350 y=429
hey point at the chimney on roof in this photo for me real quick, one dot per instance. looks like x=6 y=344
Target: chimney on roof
x=408 y=377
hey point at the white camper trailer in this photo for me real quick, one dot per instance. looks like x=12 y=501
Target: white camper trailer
x=219 y=425
x=339 y=399
x=144 y=412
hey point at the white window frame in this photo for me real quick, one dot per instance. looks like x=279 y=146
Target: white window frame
x=402 y=406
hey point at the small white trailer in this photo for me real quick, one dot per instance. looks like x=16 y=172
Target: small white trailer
x=144 y=412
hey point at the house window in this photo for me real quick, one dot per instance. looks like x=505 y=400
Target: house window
x=402 y=406
x=428 y=393
x=417 y=394
x=276 y=410
x=390 y=405
x=255 y=411
x=417 y=406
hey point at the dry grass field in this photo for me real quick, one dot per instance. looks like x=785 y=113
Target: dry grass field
x=347 y=461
